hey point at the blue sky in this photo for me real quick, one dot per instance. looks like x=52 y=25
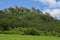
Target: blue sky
x=24 y=3
x=51 y=6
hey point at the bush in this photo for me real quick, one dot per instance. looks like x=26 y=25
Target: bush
x=32 y=31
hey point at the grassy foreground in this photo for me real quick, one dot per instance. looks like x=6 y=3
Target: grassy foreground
x=21 y=37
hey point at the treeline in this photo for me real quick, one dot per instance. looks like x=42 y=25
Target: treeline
x=15 y=20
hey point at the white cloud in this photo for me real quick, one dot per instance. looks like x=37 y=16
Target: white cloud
x=49 y=2
x=54 y=12
x=53 y=7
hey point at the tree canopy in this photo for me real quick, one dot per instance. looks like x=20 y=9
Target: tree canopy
x=31 y=22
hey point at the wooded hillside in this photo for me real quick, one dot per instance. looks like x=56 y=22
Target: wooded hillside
x=15 y=20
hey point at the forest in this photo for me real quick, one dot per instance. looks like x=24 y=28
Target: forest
x=24 y=21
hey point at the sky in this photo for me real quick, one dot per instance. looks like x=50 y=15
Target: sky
x=50 y=6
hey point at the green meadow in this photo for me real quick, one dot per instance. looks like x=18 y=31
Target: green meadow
x=22 y=37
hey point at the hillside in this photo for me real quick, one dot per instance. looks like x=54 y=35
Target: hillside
x=15 y=20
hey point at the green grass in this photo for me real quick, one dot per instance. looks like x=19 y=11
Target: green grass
x=22 y=37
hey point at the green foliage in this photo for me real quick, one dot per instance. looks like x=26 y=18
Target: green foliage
x=28 y=22
x=31 y=31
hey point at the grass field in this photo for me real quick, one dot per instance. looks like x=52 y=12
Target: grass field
x=21 y=37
